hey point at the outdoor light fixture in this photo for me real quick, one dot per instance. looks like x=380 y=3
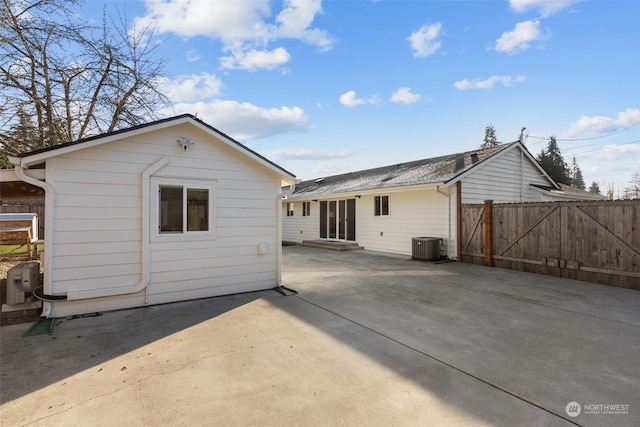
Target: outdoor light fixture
x=185 y=143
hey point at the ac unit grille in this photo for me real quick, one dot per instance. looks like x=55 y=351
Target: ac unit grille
x=426 y=248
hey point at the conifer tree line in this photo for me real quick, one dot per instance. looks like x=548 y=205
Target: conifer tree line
x=551 y=159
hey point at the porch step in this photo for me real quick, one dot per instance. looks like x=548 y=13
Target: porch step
x=332 y=245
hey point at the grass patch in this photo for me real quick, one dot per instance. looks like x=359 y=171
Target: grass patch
x=17 y=250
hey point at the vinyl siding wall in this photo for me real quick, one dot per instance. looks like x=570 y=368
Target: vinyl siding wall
x=504 y=179
x=413 y=213
x=97 y=227
x=297 y=228
x=418 y=213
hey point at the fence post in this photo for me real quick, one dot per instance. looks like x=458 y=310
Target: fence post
x=488 y=233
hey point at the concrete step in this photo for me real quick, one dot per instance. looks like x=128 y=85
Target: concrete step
x=332 y=245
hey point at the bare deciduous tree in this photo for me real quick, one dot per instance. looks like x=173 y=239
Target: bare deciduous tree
x=67 y=79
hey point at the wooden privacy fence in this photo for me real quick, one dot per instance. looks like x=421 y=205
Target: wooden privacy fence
x=592 y=241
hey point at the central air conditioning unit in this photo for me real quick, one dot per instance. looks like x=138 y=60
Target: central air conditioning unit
x=22 y=279
x=426 y=248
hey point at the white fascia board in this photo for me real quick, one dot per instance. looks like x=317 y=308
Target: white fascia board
x=9 y=175
x=377 y=191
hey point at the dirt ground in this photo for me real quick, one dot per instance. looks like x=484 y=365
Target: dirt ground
x=12 y=318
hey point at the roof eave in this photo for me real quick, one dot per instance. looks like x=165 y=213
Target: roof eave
x=364 y=192
x=41 y=156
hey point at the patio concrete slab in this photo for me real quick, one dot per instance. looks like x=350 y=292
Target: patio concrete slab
x=370 y=339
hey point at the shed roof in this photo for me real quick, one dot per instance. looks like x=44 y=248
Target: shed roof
x=35 y=156
x=418 y=172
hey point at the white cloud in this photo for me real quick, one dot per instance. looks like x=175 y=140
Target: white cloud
x=256 y=59
x=245 y=27
x=405 y=96
x=618 y=152
x=488 y=83
x=223 y=19
x=521 y=37
x=191 y=87
x=424 y=42
x=244 y=121
x=546 y=7
x=349 y=99
x=299 y=153
x=294 y=21
x=595 y=125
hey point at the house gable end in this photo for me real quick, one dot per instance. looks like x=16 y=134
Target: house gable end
x=39 y=156
x=488 y=161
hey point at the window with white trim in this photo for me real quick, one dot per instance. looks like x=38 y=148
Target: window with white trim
x=381 y=205
x=290 y=209
x=184 y=208
x=306 y=208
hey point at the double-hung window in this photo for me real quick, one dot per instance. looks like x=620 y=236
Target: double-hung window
x=184 y=208
x=306 y=208
x=290 y=209
x=381 y=205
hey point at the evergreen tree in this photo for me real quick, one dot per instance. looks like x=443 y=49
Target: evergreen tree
x=576 y=175
x=594 y=188
x=22 y=136
x=490 y=139
x=552 y=161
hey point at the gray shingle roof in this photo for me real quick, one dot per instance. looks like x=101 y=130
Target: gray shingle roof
x=417 y=172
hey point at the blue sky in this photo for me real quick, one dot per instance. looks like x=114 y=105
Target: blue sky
x=329 y=87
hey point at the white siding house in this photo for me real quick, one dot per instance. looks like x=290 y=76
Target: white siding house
x=168 y=211
x=393 y=204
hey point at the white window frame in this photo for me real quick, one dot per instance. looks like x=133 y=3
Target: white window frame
x=183 y=235
x=378 y=204
x=306 y=208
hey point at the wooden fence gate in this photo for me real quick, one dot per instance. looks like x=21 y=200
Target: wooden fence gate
x=592 y=241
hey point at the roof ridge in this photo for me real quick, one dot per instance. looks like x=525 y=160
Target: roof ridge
x=412 y=162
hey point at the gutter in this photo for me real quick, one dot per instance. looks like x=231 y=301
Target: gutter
x=144 y=280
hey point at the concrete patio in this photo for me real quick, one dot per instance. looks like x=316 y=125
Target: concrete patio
x=370 y=339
